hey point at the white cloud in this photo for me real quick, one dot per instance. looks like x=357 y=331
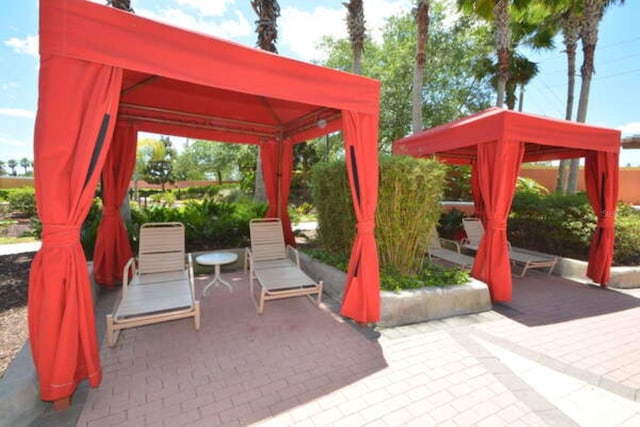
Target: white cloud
x=228 y=29
x=302 y=31
x=28 y=45
x=5 y=86
x=207 y=7
x=17 y=112
x=630 y=129
x=15 y=149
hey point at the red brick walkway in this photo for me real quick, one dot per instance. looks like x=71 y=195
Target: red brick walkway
x=299 y=365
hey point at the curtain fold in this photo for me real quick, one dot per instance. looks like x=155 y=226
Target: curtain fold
x=277 y=166
x=498 y=166
x=601 y=177
x=361 y=301
x=478 y=205
x=77 y=107
x=112 y=249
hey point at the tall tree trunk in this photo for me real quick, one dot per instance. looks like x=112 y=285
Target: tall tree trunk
x=422 y=39
x=571 y=34
x=521 y=98
x=357 y=32
x=502 y=21
x=268 y=12
x=592 y=14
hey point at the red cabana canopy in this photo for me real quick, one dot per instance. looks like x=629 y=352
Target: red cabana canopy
x=495 y=142
x=105 y=72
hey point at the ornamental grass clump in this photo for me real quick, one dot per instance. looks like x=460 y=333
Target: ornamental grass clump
x=409 y=198
x=410 y=191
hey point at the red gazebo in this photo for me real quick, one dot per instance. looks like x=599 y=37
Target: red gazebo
x=495 y=142
x=104 y=75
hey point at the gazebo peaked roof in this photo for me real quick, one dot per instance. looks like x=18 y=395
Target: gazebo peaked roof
x=495 y=142
x=544 y=138
x=106 y=74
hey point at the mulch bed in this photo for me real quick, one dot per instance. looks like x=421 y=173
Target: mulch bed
x=14 y=280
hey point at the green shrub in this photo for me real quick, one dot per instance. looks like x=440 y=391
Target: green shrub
x=23 y=201
x=332 y=196
x=410 y=191
x=392 y=280
x=89 y=230
x=450 y=224
x=167 y=198
x=564 y=226
x=208 y=224
x=430 y=275
x=409 y=198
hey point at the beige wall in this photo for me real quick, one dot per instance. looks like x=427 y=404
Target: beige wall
x=16 y=181
x=629 y=190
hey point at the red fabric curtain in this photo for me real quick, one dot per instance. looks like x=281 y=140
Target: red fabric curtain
x=77 y=108
x=273 y=154
x=478 y=206
x=601 y=177
x=361 y=300
x=498 y=166
x=112 y=249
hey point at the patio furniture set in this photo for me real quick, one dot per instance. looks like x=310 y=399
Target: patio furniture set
x=451 y=250
x=159 y=285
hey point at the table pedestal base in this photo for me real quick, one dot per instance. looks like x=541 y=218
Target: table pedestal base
x=217 y=281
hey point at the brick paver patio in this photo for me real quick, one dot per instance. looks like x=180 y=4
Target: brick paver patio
x=560 y=354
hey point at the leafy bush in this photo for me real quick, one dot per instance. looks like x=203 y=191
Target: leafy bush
x=208 y=224
x=23 y=201
x=450 y=224
x=167 y=198
x=458 y=183
x=564 y=226
x=392 y=280
x=555 y=224
x=89 y=230
x=429 y=275
x=332 y=196
x=410 y=191
x=408 y=209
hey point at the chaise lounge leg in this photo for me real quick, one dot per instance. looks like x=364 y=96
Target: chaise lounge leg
x=196 y=316
x=112 y=335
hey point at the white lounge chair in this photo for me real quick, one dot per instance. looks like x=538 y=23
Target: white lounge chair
x=438 y=248
x=161 y=288
x=475 y=230
x=269 y=263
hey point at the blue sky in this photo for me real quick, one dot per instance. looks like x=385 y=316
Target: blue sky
x=614 y=99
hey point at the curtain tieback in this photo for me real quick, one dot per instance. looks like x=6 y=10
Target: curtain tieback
x=607 y=221
x=55 y=235
x=366 y=227
x=497 y=224
x=110 y=211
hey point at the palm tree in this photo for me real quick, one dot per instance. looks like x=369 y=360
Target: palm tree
x=25 y=164
x=12 y=165
x=2 y=170
x=592 y=12
x=121 y=4
x=422 y=27
x=570 y=22
x=496 y=11
x=268 y=12
x=357 y=32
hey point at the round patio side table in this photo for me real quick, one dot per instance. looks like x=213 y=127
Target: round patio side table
x=216 y=259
